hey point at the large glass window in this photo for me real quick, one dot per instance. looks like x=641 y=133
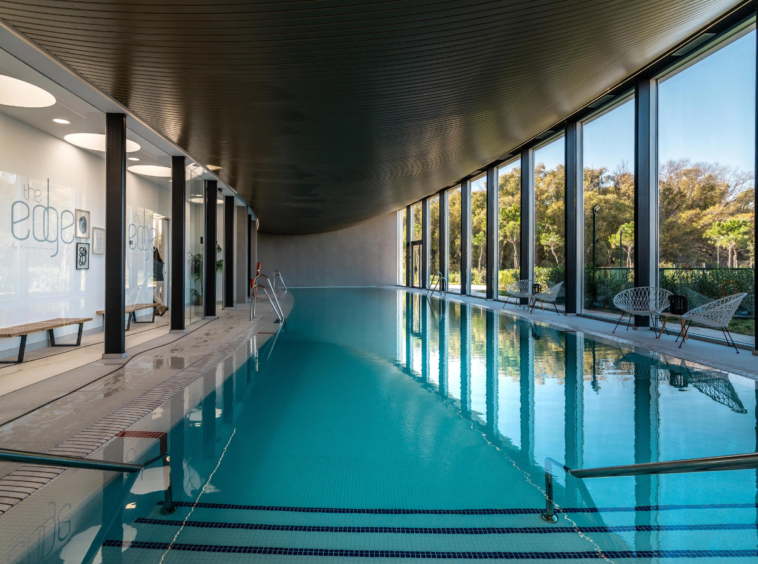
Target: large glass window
x=195 y=229
x=509 y=228
x=549 y=229
x=479 y=236
x=403 y=245
x=608 y=206
x=415 y=247
x=454 y=227
x=706 y=178
x=434 y=217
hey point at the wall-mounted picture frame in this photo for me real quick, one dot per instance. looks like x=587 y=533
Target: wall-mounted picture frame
x=98 y=241
x=82 y=256
x=82 y=224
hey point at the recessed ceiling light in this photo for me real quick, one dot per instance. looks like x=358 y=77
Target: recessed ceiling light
x=151 y=170
x=15 y=92
x=133 y=158
x=96 y=142
x=61 y=121
x=213 y=167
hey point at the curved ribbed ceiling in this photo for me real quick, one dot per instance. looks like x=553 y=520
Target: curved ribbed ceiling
x=325 y=113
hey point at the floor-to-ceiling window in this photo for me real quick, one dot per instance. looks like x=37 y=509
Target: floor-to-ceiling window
x=608 y=205
x=454 y=243
x=706 y=157
x=549 y=205
x=479 y=236
x=402 y=245
x=509 y=224
x=415 y=246
x=194 y=230
x=434 y=240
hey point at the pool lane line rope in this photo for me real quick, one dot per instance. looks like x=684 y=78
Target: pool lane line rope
x=221 y=458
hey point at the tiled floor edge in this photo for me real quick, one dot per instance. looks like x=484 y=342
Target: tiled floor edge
x=27 y=479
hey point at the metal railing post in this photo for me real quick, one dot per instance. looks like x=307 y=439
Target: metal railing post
x=549 y=514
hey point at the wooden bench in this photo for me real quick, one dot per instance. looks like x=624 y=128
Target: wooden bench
x=131 y=310
x=24 y=330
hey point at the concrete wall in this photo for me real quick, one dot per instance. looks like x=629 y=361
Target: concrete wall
x=364 y=255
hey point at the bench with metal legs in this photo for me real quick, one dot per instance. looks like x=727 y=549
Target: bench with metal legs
x=25 y=330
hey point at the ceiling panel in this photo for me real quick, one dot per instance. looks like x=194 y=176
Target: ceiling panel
x=326 y=113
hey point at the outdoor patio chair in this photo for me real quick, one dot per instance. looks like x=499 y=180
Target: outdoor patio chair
x=645 y=301
x=716 y=315
x=519 y=289
x=549 y=296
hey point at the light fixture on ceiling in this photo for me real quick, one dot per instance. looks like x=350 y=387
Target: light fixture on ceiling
x=133 y=158
x=197 y=200
x=96 y=142
x=213 y=168
x=61 y=121
x=20 y=94
x=151 y=170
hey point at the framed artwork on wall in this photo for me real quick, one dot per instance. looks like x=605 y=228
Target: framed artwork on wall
x=82 y=225
x=98 y=241
x=82 y=256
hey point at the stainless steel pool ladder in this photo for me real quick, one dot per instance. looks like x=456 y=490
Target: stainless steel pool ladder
x=278 y=275
x=42 y=459
x=437 y=286
x=747 y=461
x=277 y=308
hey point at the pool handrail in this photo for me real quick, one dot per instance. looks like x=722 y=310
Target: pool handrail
x=277 y=308
x=746 y=461
x=437 y=286
x=278 y=275
x=42 y=459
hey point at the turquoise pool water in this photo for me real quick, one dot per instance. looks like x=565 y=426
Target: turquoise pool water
x=378 y=424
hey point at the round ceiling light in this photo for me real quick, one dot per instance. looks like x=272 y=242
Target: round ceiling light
x=61 y=121
x=133 y=159
x=213 y=168
x=15 y=92
x=96 y=142
x=151 y=170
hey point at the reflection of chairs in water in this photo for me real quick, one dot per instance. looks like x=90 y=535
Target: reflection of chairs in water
x=718 y=388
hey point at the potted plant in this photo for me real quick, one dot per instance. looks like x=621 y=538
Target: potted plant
x=196 y=271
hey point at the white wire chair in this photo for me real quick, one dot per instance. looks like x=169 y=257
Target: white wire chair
x=644 y=301
x=549 y=296
x=716 y=315
x=519 y=289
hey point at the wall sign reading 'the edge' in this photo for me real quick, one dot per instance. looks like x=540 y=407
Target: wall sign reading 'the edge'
x=34 y=216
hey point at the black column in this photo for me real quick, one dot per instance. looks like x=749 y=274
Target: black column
x=465 y=237
x=492 y=233
x=178 y=242
x=408 y=239
x=115 y=236
x=249 y=251
x=527 y=216
x=209 y=249
x=426 y=241
x=444 y=238
x=229 y=251
x=574 y=211
x=645 y=187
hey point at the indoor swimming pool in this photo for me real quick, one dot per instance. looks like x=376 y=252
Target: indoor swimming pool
x=379 y=424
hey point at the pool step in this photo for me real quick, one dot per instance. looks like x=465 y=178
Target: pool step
x=520 y=537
